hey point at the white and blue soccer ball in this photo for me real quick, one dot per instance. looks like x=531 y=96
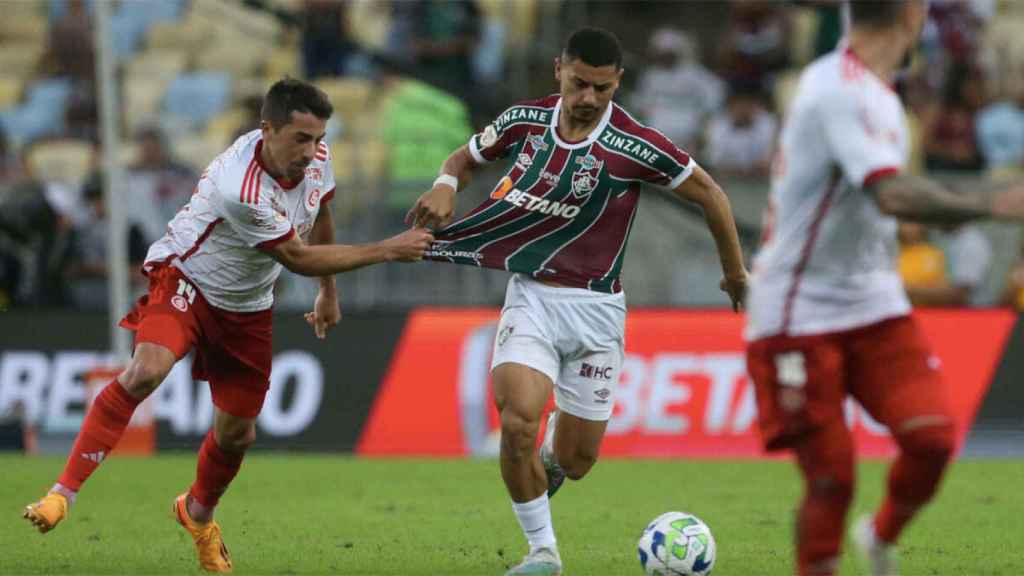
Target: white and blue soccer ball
x=677 y=544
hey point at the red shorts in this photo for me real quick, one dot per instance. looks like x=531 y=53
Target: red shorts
x=232 y=349
x=802 y=381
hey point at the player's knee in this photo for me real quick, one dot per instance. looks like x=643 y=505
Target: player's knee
x=236 y=439
x=143 y=376
x=934 y=443
x=518 y=431
x=579 y=465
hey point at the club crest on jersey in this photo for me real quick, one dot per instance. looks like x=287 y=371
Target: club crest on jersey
x=537 y=142
x=584 y=179
x=313 y=199
x=489 y=137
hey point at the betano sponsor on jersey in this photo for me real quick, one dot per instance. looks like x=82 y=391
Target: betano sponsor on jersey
x=505 y=192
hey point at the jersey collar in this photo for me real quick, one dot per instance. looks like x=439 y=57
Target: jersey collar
x=590 y=139
x=282 y=182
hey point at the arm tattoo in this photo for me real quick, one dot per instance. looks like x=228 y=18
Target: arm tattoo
x=911 y=197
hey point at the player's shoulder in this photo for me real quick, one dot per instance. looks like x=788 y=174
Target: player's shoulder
x=622 y=123
x=538 y=112
x=840 y=79
x=235 y=172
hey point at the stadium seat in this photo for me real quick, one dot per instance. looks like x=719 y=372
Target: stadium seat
x=196 y=151
x=10 y=91
x=142 y=98
x=197 y=97
x=22 y=23
x=162 y=64
x=348 y=95
x=283 y=62
x=65 y=160
x=224 y=126
x=19 y=59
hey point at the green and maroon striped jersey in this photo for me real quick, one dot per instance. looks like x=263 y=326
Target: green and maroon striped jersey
x=564 y=210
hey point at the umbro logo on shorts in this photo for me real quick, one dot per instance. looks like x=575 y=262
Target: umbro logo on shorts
x=602 y=395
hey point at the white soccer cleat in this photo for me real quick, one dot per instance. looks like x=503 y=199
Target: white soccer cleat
x=556 y=476
x=880 y=557
x=541 y=561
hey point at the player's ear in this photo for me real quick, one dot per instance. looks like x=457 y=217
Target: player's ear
x=265 y=127
x=558 y=69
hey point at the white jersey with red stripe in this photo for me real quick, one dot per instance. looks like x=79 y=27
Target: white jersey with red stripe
x=237 y=211
x=828 y=262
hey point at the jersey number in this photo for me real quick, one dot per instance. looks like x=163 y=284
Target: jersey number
x=187 y=290
x=790 y=370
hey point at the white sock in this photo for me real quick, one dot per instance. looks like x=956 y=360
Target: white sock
x=535 y=519
x=65 y=491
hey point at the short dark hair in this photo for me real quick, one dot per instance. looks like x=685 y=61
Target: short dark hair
x=594 y=47
x=875 y=13
x=292 y=95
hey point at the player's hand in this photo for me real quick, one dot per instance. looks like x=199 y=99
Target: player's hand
x=408 y=246
x=1009 y=204
x=325 y=315
x=434 y=209
x=736 y=288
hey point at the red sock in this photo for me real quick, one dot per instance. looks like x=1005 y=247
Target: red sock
x=827 y=462
x=914 y=478
x=103 y=426
x=216 y=469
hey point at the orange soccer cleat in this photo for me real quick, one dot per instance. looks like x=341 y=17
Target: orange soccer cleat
x=213 y=554
x=47 y=512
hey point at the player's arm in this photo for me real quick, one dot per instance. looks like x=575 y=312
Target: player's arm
x=910 y=197
x=323 y=235
x=327 y=260
x=326 y=311
x=436 y=207
x=702 y=190
x=948 y=295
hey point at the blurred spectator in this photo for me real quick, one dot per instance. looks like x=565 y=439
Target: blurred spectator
x=950 y=142
x=326 y=43
x=1013 y=294
x=921 y=109
x=922 y=266
x=69 y=50
x=86 y=261
x=444 y=36
x=1000 y=130
x=969 y=259
x=421 y=125
x=756 y=41
x=741 y=139
x=161 y=184
x=675 y=93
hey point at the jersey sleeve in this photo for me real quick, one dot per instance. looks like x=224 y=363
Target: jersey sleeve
x=669 y=166
x=863 y=140
x=500 y=137
x=251 y=216
x=329 y=183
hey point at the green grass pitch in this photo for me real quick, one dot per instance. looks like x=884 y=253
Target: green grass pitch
x=338 y=515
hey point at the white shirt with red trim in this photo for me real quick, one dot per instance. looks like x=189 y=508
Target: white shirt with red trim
x=237 y=211
x=828 y=262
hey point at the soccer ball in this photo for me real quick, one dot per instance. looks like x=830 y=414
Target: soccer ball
x=677 y=543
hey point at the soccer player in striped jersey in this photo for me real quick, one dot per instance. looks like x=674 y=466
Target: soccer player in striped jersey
x=560 y=219
x=260 y=206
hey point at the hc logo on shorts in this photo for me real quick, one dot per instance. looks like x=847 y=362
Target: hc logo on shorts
x=596 y=372
x=185 y=296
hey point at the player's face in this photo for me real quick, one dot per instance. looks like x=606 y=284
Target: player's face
x=586 y=90
x=293 y=146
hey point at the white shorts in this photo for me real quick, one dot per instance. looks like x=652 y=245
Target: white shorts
x=576 y=337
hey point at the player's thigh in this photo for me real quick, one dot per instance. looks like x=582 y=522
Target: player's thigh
x=895 y=376
x=524 y=365
x=800 y=386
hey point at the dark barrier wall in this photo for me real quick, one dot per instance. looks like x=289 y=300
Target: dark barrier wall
x=321 y=390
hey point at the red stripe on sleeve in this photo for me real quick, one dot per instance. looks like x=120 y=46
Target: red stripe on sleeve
x=876 y=175
x=282 y=238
